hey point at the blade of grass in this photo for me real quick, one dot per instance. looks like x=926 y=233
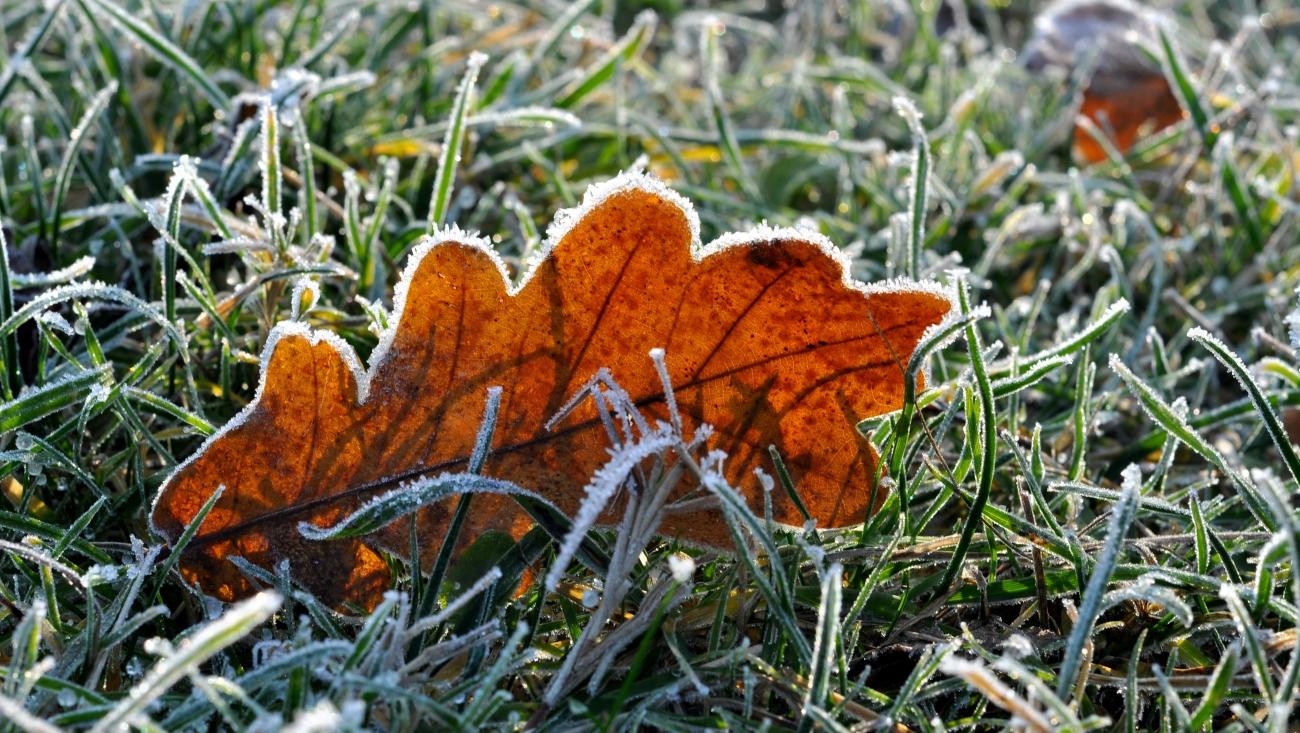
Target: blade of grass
x=1211 y=137
x=710 y=59
x=159 y=47
x=627 y=48
x=1162 y=414
x=918 y=187
x=64 y=176
x=12 y=373
x=454 y=141
x=988 y=445
x=232 y=626
x=1268 y=418
x=1121 y=517
x=824 y=644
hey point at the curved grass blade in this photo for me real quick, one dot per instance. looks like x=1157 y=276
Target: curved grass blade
x=49 y=398
x=988 y=448
x=29 y=46
x=1163 y=414
x=711 y=59
x=1268 y=418
x=1030 y=375
x=1104 y=322
x=625 y=50
x=918 y=200
x=64 y=176
x=903 y=424
x=1121 y=517
x=1211 y=137
x=234 y=624
x=1250 y=639
x=1216 y=691
x=482 y=445
x=454 y=142
x=11 y=374
x=159 y=47
x=407 y=499
x=89 y=291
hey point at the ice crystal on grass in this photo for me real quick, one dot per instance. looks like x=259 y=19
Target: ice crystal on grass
x=606 y=482
x=306 y=294
x=408 y=498
x=1293 y=322
x=63 y=275
x=682 y=567
x=315 y=141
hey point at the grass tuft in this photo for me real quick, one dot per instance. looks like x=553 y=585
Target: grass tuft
x=1091 y=526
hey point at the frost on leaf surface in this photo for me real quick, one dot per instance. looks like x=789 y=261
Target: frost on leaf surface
x=765 y=338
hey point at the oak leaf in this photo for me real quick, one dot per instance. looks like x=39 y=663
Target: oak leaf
x=1139 y=106
x=767 y=339
x=1126 y=95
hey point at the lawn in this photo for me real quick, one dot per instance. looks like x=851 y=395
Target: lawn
x=1088 y=518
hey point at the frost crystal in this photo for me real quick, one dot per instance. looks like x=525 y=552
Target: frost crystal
x=1293 y=322
x=99 y=393
x=682 y=567
x=100 y=574
x=323 y=717
x=601 y=489
x=55 y=277
x=1018 y=646
x=56 y=321
x=1131 y=479
x=814 y=553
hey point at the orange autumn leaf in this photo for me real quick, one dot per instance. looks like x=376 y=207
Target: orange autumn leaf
x=1127 y=95
x=1142 y=106
x=767 y=339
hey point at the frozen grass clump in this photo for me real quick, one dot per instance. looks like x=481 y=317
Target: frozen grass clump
x=178 y=178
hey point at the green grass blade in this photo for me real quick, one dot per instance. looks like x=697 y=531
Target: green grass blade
x=1216 y=691
x=824 y=643
x=231 y=627
x=391 y=506
x=919 y=187
x=1122 y=514
x=1249 y=635
x=1163 y=415
x=1268 y=418
x=627 y=48
x=12 y=372
x=49 y=398
x=988 y=449
x=63 y=177
x=454 y=142
x=159 y=47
